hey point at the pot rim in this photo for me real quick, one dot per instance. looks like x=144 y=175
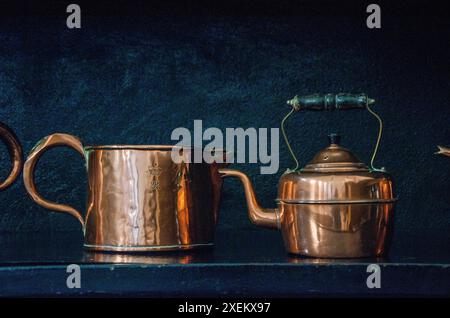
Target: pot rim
x=145 y=147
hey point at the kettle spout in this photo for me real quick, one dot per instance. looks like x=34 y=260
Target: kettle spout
x=443 y=151
x=260 y=216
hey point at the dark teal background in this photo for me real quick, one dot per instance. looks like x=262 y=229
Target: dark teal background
x=137 y=70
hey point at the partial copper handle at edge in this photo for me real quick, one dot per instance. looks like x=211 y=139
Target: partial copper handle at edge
x=443 y=151
x=15 y=153
x=28 y=171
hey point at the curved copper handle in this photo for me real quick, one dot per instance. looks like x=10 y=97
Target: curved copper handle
x=28 y=171
x=15 y=153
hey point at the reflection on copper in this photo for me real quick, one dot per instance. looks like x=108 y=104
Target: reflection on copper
x=142 y=258
x=295 y=259
x=138 y=198
x=183 y=205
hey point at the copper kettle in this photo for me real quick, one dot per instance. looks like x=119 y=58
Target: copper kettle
x=335 y=206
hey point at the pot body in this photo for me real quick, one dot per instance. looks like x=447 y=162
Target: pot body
x=336 y=230
x=139 y=197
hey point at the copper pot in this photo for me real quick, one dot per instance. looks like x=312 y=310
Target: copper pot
x=139 y=199
x=15 y=153
x=335 y=206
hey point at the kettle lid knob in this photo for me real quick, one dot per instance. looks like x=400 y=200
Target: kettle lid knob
x=334 y=139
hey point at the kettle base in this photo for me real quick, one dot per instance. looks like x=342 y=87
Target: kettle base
x=346 y=256
x=146 y=248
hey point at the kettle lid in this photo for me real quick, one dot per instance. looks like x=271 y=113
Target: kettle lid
x=335 y=175
x=334 y=158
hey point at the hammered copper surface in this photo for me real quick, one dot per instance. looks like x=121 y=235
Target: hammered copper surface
x=15 y=153
x=139 y=199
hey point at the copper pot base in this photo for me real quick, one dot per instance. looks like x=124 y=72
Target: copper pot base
x=144 y=248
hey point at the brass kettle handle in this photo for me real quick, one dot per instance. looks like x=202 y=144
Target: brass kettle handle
x=42 y=146
x=330 y=102
x=15 y=153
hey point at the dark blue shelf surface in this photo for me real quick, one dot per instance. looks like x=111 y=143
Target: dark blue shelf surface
x=247 y=262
